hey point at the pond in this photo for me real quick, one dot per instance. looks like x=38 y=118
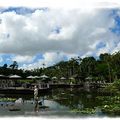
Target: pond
x=71 y=102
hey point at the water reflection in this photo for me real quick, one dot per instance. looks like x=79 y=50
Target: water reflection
x=61 y=100
x=36 y=109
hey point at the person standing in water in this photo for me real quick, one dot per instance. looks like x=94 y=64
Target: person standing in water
x=35 y=92
x=36 y=99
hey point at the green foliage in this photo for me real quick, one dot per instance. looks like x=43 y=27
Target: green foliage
x=110 y=104
x=25 y=81
x=107 y=67
x=7 y=99
x=84 y=111
x=4 y=66
x=111 y=109
x=116 y=83
x=114 y=87
x=111 y=88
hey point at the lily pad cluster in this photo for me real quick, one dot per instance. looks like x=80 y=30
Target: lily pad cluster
x=84 y=111
x=7 y=99
x=113 y=109
x=110 y=104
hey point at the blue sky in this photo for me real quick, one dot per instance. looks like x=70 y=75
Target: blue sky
x=33 y=36
x=22 y=10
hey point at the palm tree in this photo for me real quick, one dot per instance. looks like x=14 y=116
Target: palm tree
x=14 y=65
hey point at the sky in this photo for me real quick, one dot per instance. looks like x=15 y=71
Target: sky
x=37 y=32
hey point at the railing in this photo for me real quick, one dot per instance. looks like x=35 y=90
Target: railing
x=97 y=84
x=43 y=86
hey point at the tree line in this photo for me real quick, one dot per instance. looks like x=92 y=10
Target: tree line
x=105 y=67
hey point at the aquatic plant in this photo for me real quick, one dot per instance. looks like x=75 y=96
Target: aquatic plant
x=110 y=104
x=84 y=111
x=7 y=99
x=111 y=109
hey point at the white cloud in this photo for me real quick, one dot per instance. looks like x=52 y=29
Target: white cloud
x=80 y=32
x=117 y=48
x=102 y=50
x=66 y=4
x=23 y=59
x=1 y=59
x=32 y=34
x=49 y=59
x=87 y=54
x=65 y=34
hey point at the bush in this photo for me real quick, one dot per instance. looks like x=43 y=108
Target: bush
x=116 y=83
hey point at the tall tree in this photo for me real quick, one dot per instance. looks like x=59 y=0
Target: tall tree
x=14 y=65
x=106 y=58
x=88 y=66
x=4 y=66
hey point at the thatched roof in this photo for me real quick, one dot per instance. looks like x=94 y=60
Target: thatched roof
x=62 y=78
x=44 y=76
x=14 y=76
x=54 y=78
x=88 y=78
x=31 y=77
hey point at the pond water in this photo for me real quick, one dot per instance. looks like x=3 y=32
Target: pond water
x=59 y=102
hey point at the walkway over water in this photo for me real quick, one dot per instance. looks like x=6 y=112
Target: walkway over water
x=96 y=85
x=85 y=84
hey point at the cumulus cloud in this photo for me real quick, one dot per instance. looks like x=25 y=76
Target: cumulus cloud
x=1 y=59
x=62 y=4
x=23 y=59
x=78 y=32
x=48 y=59
x=30 y=34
